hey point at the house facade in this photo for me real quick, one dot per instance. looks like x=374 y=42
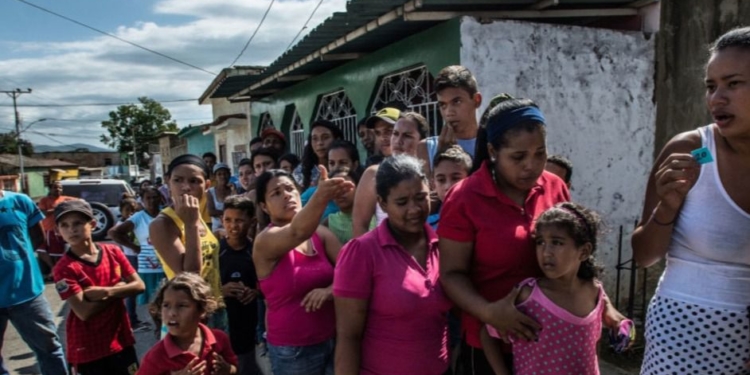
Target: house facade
x=589 y=65
x=196 y=142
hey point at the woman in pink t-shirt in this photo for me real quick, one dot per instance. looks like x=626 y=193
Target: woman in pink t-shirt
x=391 y=312
x=294 y=259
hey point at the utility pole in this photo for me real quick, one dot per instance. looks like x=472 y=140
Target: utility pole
x=135 y=153
x=15 y=94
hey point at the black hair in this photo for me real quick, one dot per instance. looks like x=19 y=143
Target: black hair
x=422 y=126
x=350 y=149
x=396 y=169
x=582 y=225
x=240 y=202
x=245 y=161
x=187 y=159
x=261 y=187
x=738 y=38
x=265 y=151
x=255 y=141
x=127 y=201
x=291 y=158
x=210 y=155
x=563 y=163
x=481 y=151
x=309 y=158
x=455 y=154
x=456 y=76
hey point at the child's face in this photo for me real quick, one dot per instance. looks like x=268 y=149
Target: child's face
x=557 y=253
x=446 y=174
x=236 y=222
x=180 y=313
x=128 y=211
x=75 y=228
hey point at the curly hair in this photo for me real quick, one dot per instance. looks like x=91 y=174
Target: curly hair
x=193 y=285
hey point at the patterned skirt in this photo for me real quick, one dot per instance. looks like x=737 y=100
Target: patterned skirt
x=683 y=338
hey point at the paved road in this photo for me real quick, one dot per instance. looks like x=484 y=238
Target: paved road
x=21 y=361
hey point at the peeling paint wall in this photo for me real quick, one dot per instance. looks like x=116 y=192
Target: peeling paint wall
x=596 y=89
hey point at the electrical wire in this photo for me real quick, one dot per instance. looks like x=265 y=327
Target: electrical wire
x=91 y=104
x=116 y=37
x=252 y=36
x=303 y=26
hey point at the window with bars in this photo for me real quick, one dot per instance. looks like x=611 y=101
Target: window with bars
x=297 y=134
x=265 y=122
x=414 y=89
x=337 y=108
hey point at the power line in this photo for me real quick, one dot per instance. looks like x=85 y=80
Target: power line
x=116 y=37
x=252 y=36
x=92 y=104
x=303 y=26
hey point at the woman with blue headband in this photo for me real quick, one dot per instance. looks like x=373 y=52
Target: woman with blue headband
x=486 y=243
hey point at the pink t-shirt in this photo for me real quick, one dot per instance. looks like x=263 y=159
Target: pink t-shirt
x=406 y=329
x=567 y=343
x=295 y=275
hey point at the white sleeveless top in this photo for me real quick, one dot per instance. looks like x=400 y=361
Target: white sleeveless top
x=148 y=262
x=708 y=261
x=219 y=205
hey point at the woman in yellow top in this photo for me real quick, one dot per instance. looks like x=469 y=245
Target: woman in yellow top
x=182 y=240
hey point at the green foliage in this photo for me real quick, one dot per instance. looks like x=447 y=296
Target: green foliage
x=137 y=123
x=9 y=145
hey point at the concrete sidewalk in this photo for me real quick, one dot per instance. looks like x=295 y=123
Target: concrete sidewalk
x=21 y=361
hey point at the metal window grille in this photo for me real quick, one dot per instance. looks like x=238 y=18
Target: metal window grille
x=337 y=108
x=297 y=134
x=265 y=122
x=414 y=89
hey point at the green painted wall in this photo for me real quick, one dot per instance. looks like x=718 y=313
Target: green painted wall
x=435 y=48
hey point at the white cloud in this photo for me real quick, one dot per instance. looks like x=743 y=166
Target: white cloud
x=103 y=69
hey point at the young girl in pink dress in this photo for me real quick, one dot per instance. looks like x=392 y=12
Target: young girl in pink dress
x=567 y=302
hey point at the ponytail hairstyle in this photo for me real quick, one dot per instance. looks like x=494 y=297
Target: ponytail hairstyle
x=509 y=116
x=582 y=225
x=261 y=187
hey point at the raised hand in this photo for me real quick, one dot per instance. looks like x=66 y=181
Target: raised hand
x=187 y=208
x=331 y=188
x=674 y=179
x=447 y=138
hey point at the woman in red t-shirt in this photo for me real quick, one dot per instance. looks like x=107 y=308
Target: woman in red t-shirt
x=486 y=242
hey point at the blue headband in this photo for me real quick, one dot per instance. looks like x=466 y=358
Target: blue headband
x=498 y=124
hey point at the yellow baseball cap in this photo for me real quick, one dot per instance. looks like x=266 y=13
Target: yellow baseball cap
x=387 y=114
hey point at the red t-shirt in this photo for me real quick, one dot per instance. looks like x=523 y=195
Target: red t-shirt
x=107 y=332
x=475 y=210
x=166 y=356
x=407 y=327
x=54 y=244
x=47 y=203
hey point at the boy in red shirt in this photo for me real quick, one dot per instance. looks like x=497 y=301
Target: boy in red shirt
x=94 y=279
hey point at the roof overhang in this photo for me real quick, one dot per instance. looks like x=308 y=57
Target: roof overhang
x=369 y=25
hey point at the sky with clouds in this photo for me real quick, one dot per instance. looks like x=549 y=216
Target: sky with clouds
x=65 y=63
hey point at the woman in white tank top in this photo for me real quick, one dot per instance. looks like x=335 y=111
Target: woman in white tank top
x=697 y=215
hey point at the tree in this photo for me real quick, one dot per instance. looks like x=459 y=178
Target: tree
x=140 y=124
x=9 y=145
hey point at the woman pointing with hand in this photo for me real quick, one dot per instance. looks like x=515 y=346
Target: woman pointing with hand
x=294 y=258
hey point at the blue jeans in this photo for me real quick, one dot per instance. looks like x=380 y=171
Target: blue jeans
x=130 y=304
x=302 y=360
x=33 y=321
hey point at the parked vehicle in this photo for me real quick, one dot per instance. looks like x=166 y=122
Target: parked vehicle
x=104 y=197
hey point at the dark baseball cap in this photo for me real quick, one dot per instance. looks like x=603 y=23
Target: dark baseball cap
x=73 y=205
x=387 y=114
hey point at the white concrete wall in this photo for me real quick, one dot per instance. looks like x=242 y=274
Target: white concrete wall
x=596 y=89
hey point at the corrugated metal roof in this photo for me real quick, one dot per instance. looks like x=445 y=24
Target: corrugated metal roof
x=361 y=12
x=12 y=160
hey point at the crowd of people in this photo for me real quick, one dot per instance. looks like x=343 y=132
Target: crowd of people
x=459 y=253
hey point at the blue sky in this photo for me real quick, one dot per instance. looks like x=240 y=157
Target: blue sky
x=66 y=63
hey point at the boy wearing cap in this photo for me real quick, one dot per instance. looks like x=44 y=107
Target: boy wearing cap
x=274 y=139
x=94 y=278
